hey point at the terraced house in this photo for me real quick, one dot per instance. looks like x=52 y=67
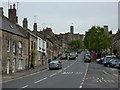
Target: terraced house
x=14 y=44
x=22 y=48
x=116 y=44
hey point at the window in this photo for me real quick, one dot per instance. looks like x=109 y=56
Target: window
x=39 y=44
x=31 y=44
x=20 y=47
x=14 y=47
x=20 y=64
x=34 y=45
x=8 y=45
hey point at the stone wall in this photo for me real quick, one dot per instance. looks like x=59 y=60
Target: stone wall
x=10 y=55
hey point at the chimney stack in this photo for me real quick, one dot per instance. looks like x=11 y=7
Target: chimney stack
x=25 y=23
x=35 y=27
x=106 y=29
x=12 y=14
x=72 y=29
x=1 y=11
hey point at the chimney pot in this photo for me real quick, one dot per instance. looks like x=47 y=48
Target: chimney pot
x=13 y=6
x=25 y=23
x=1 y=11
x=35 y=27
x=10 y=6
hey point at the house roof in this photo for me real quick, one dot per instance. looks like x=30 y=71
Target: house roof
x=11 y=27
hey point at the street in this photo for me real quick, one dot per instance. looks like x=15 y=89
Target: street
x=74 y=74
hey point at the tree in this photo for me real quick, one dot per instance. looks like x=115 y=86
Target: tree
x=33 y=54
x=75 y=45
x=97 y=39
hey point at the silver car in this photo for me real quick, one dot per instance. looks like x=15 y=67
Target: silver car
x=55 y=65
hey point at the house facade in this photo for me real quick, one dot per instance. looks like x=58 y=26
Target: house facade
x=116 y=43
x=14 y=47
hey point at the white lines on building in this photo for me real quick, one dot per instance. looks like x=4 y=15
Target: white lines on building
x=52 y=75
x=40 y=80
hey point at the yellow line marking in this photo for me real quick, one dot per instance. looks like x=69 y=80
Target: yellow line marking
x=100 y=80
x=113 y=81
x=28 y=75
x=25 y=76
x=108 y=80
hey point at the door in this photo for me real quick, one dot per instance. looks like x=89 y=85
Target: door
x=14 y=65
x=8 y=66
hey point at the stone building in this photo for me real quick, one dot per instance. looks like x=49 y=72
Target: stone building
x=32 y=41
x=41 y=46
x=116 y=43
x=54 y=43
x=68 y=37
x=14 y=44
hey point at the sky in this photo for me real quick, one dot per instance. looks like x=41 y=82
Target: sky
x=60 y=15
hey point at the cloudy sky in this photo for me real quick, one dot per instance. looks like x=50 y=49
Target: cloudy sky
x=60 y=15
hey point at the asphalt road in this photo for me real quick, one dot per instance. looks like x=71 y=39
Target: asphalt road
x=74 y=74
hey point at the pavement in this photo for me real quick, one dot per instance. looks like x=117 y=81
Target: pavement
x=12 y=76
x=8 y=77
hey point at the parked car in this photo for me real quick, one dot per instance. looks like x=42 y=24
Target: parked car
x=118 y=63
x=55 y=65
x=79 y=51
x=100 y=61
x=87 y=58
x=72 y=56
x=63 y=56
x=107 y=59
x=113 y=62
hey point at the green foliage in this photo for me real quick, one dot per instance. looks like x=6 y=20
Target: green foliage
x=33 y=54
x=76 y=45
x=97 y=39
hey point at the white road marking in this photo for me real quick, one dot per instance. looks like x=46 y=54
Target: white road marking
x=40 y=80
x=59 y=71
x=78 y=73
x=84 y=76
x=24 y=86
x=65 y=68
x=105 y=72
x=115 y=75
x=80 y=86
x=67 y=73
x=113 y=69
x=52 y=75
x=97 y=77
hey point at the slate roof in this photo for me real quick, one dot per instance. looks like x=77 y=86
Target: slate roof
x=11 y=27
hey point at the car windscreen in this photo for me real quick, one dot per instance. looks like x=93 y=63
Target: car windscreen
x=54 y=62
